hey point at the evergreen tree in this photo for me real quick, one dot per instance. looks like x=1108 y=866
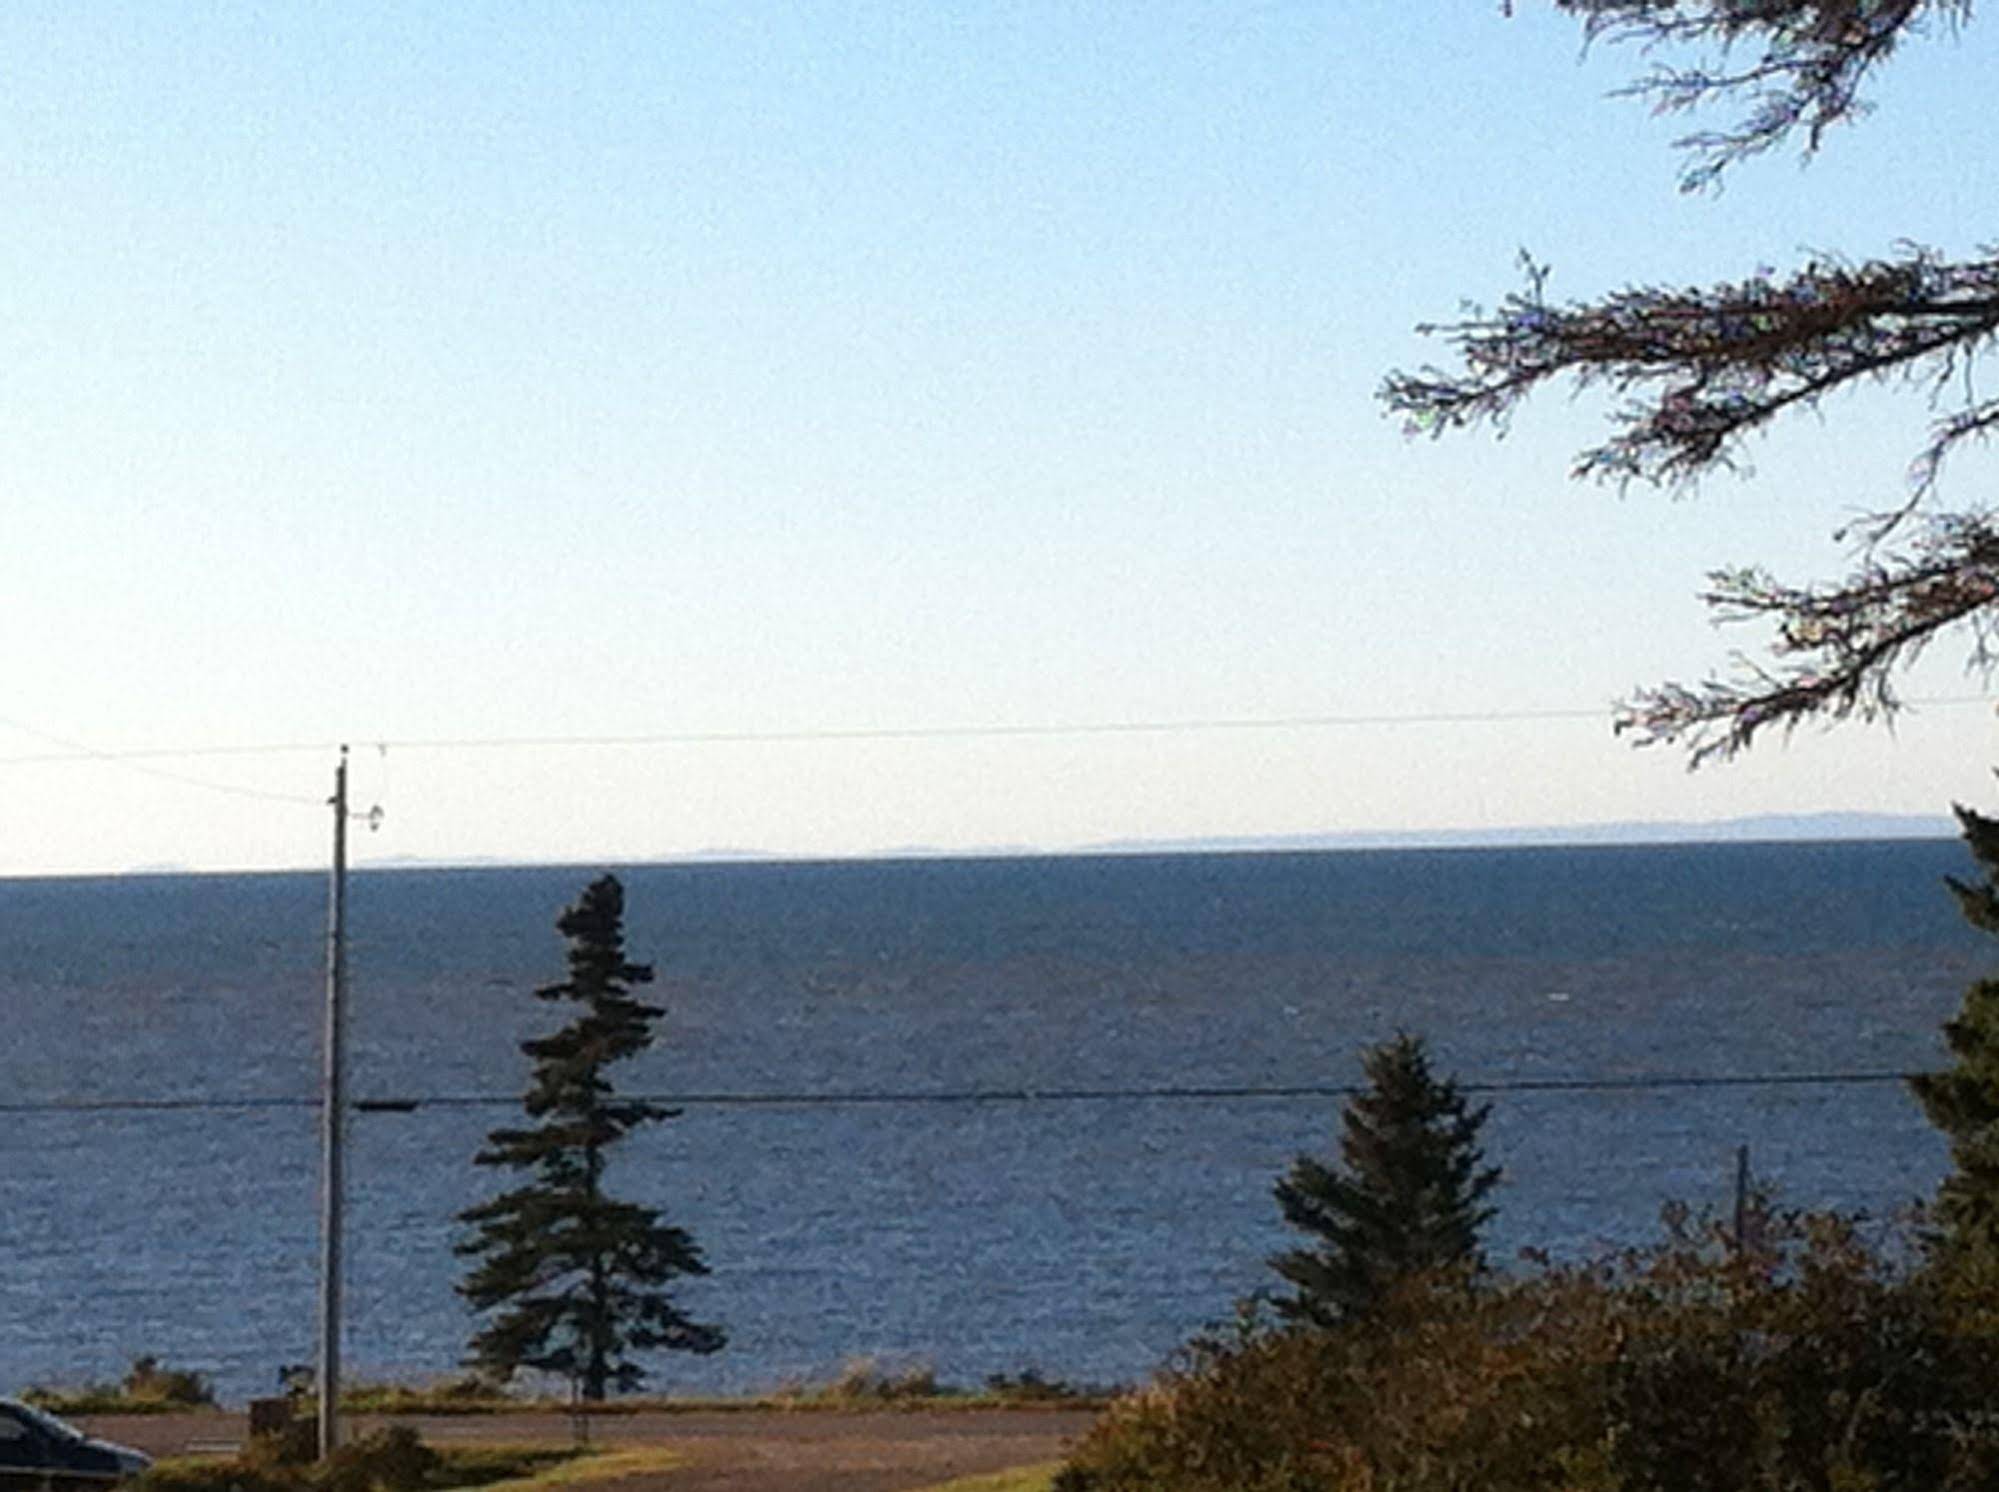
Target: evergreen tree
x=1406 y=1200
x=579 y=1279
x=1963 y=1100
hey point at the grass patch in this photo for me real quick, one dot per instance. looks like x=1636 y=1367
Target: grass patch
x=396 y=1461
x=512 y=1466
x=99 y=1398
x=468 y=1395
x=864 y=1383
x=861 y=1383
x=1019 y=1479
x=569 y=1468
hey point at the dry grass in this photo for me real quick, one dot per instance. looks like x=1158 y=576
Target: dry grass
x=1020 y=1479
x=593 y=1469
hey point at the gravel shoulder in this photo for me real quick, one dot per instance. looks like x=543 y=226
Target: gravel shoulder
x=750 y=1450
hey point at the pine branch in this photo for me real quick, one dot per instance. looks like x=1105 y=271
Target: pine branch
x=1804 y=66
x=1701 y=368
x=1694 y=372
x=1698 y=371
x=1836 y=646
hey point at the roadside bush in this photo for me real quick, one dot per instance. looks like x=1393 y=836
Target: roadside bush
x=1802 y=1362
x=1439 y=1387
x=150 y=1381
x=147 y=1388
x=390 y=1460
x=865 y=1381
x=294 y=1444
x=207 y=1474
x=469 y=1393
x=1030 y=1386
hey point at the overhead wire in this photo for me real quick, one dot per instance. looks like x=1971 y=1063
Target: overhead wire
x=995 y=731
x=856 y=1098
x=135 y=762
x=75 y=751
x=791 y=737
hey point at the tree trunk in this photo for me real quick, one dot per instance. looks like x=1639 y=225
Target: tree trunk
x=596 y=1368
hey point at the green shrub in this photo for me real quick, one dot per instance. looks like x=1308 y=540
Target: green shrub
x=391 y=1460
x=470 y=1393
x=148 y=1388
x=1802 y=1362
x=1028 y=1386
x=148 y=1381
x=865 y=1381
x=210 y=1474
x=87 y=1398
x=295 y=1444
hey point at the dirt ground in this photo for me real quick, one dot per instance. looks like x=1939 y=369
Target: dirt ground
x=742 y=1451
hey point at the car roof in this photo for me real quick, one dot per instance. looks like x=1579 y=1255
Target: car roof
x=38 y=1416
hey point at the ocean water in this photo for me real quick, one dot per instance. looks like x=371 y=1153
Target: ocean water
x=979 y=1115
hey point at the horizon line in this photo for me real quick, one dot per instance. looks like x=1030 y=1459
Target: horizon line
x=1830 y=826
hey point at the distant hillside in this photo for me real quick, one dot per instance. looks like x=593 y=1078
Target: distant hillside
x=1774 y=827
x=1769 y=827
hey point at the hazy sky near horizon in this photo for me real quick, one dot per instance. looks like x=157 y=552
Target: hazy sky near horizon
x=813 y=373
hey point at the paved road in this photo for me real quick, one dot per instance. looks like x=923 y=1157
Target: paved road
x=742 y=1451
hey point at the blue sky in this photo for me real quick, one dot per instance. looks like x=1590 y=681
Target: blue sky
x=421 y=373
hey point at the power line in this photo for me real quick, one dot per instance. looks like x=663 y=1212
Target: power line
x=881 y=1098
x=141 y=759
x=794 y=737
x=136 y=762
x=1001 y=732
x=1189 y=726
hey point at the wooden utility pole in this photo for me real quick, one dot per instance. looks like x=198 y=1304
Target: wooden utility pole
x=332 y=1113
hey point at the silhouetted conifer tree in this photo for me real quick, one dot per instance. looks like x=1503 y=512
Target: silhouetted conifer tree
x=1405 y=1200
x=578 y=1278
x=1963 y=1100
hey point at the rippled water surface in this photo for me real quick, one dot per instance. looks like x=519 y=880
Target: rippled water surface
x=1048 y=1213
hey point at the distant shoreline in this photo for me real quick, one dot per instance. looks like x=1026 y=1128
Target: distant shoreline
x=1809 y=828
x=1819 y=828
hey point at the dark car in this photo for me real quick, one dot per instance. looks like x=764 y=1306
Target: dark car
x=39 y=1453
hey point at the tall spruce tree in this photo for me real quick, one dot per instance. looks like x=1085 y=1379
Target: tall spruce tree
x=1963 y=1100
x=578 y=1279
x=1406 y=1200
